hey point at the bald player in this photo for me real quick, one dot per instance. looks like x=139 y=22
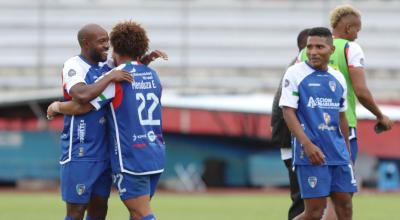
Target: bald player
x=85 y=167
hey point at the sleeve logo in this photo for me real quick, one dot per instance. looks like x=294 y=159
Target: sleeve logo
x=71 y=72
x=286 y=83
x=362 y=61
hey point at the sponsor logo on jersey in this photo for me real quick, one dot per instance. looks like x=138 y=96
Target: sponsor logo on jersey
x=362 y=61
x=287 y=83
x=71 y=72
x=102 y=120
x=81 y=152
x=314 y=84
x=332 y=86
x=325 y=126
x=324 y=103
x=312 y=181
x=80 y=188
x=138 y=137
x=151 y=136
x=81 y=131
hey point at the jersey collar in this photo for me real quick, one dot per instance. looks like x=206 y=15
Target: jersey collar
x=88 y=63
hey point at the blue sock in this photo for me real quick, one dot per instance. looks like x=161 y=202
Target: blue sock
x=149 y=217
x=68 y=218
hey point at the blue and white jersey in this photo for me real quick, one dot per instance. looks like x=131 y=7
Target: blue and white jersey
x=135 y=121
x=318 y=97
x=84 y=136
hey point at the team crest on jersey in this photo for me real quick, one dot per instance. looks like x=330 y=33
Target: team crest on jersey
x=332 y=85
x=286 y=83
x=71 y=72
x=312 y=181
x=80 y=188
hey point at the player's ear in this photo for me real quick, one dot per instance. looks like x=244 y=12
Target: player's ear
x=333 y=48
x=85 y=43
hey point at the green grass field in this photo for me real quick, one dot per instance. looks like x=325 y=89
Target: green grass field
x=167 y=206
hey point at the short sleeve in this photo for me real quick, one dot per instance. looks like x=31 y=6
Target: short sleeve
x=355 y=55
x=290 y=94
x=105 y=97
x=72 y=75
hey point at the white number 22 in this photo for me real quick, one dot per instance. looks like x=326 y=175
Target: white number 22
x=150 y=110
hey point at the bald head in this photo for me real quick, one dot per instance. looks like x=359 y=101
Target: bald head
x=88 y=32
x=94 y=43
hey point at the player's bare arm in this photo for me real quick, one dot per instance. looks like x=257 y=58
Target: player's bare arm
x=314 y=153
x=364 y=96
x=67 y=108
x=83 y=93
x=344 y=128
x=153 y=55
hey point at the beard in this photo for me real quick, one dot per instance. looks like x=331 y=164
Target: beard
x=96 y=56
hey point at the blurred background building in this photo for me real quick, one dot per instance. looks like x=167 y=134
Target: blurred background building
x=226 y=58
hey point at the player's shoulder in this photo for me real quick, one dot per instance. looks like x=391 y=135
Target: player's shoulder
x=354 y=46
x=300 y=69
x=337 y=74
x=75 y=60
x=74 y=66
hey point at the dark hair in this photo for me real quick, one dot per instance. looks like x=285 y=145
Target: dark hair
x=320 y=32
x=302 y=38
x=129 y=39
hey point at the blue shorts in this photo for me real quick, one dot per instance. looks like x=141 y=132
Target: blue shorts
x=321 y=181
x=353 y=144
x=132 y=186
x=79 y=179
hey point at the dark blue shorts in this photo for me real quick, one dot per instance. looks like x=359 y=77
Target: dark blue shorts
x=132 y=186
x=321 y=181
x=79 y=179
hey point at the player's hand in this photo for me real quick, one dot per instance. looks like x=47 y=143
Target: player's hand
x=314 y=154
x=53 y=110
x=153 y=55
x=120 y=75
x=385 y=123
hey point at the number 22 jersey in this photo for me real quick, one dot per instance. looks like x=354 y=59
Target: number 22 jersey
x=135 y=121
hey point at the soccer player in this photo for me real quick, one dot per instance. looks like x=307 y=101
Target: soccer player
x=349 y=59
x=85 y=173
x=85 y=170
x=281 y=135
x=138 y=149
x=313 y=102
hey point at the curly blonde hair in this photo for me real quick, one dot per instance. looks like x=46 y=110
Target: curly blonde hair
x=130 y=39
x=342 y=11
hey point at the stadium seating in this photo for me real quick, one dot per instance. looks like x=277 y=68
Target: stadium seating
x=251 y=41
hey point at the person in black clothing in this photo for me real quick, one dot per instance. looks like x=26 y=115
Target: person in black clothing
x=281 y=136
